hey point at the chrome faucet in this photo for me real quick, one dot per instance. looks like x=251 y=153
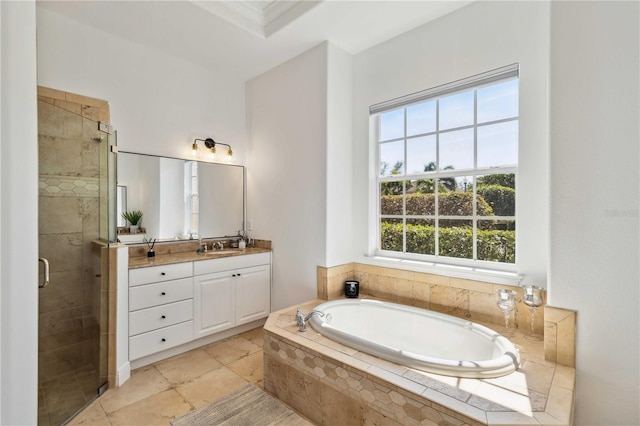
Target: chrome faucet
x=301 y=320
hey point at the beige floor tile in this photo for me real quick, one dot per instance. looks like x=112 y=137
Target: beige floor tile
x=250 y=368
x=186 y=367
x=158 y=409
x=231 y=349
x=144 y=382
x=93 y=415
x=255 y=336
x=211 y=386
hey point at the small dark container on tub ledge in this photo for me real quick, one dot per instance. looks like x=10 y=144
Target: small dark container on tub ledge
x=351 y=289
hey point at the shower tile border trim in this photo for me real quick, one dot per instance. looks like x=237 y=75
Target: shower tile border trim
x=68 y=186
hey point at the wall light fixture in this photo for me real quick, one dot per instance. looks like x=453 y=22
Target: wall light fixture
x=211 y=144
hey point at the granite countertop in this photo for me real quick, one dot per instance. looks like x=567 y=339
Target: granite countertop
x=190 y=256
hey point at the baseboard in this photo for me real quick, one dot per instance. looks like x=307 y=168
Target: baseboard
x=124 y=373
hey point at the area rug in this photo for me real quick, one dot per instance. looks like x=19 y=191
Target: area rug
x=248 y=406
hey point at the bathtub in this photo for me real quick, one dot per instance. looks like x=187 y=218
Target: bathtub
x=417 y=338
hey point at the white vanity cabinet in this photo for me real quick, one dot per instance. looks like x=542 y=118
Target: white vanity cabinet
x=180 y=306
x=231 y=291
x=160 y=308
x=214 y=305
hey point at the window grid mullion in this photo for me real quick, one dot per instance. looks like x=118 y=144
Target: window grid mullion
x=404 y=185
x=436 y=183
x=474 y=204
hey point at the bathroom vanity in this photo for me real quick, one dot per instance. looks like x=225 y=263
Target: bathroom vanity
x=182 y=300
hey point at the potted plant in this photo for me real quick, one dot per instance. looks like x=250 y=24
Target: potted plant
x=133 y=217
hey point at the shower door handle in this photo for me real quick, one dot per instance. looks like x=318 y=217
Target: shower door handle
x=45 y=282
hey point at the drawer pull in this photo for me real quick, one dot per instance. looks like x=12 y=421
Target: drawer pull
x=163 y=317
x=163 y=294
x=162 y=273
x=164 y=340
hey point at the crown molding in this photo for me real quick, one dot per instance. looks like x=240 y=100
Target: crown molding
x=261 y=18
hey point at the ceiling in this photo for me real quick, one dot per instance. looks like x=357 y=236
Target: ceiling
x=246 y=38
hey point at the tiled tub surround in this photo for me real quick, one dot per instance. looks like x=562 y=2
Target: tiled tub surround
x=333 y=384
x=462 y=298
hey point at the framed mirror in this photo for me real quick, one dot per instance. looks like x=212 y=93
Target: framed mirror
x=180 y=199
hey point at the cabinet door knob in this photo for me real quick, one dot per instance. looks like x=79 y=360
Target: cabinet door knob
x=164 y=340
x=233 y=275
x=163 y=317
x=163 y=294
x=238 y=274
x=162 y=273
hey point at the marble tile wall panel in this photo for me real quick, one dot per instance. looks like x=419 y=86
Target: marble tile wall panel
x=560 y=336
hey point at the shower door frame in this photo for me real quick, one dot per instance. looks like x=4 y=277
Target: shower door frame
x=94 y=274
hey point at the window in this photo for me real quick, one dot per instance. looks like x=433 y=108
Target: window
x=446 y=172
x=192 y=205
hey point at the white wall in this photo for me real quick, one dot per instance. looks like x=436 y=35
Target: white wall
x=339 y=246
x=593 y=267
x=159 y=103
x=477 y=38
x=18 y=215
x=286 y=170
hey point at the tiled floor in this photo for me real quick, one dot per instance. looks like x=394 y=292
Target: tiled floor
x=160 y=392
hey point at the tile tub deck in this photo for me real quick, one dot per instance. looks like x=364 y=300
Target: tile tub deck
x=334 y=384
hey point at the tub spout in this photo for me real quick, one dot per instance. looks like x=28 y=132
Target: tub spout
x=301 y=320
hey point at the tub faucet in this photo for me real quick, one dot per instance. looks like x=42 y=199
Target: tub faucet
x=301 y=320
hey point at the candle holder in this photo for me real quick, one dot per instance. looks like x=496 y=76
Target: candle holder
x=534 y=297
x=507 y=304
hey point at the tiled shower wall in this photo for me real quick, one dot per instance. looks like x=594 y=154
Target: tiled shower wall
x=69 y=218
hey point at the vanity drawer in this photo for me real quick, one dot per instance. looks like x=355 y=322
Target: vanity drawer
x=159 y=340
x=154 y=274
x=160 y=316
x=145 y=296
x=209 y=266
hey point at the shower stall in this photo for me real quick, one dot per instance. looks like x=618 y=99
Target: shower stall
x=76 y=189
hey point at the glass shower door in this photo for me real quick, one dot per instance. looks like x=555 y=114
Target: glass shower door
x=72 y=353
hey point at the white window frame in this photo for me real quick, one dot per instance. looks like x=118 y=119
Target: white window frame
x=192 y=199
x=492 y=77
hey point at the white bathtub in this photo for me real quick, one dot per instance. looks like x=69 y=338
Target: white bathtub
x=417 y=338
